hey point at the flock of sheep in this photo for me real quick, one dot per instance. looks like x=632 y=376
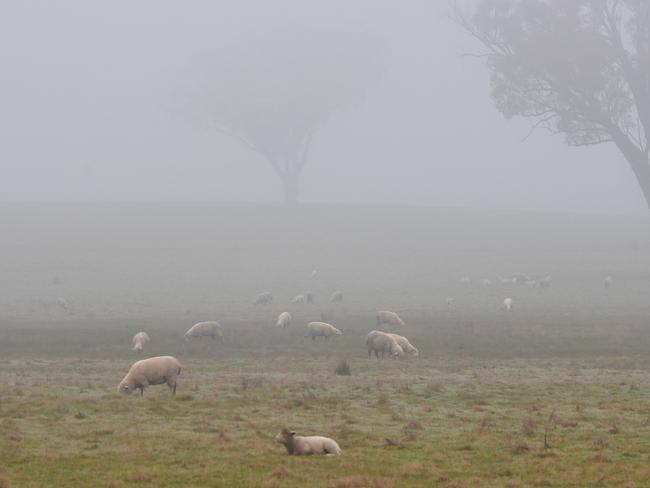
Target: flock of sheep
x=165 y=369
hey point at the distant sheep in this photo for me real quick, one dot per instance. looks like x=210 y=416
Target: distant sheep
x=337 y=296
x=264 y=298
x=405 y=344
x=299 y=299
x=284 y=320
x=520 y=278
x=545 y=282
x=139 y=340
x=314 y=273
x=297 y=445
x=507 y=304
x=380 y=342
x=450 y=302
x=465 y=280
x=322 y=329
x=204 y=329
x=152 y=371
x=486 y=282
x=389 y=318
x=608 y=281
x=62 y=303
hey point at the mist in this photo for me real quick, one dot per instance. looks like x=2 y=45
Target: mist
x=91 y=113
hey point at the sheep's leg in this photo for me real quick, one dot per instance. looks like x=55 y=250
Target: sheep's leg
x=142 y=391
x=369 y=353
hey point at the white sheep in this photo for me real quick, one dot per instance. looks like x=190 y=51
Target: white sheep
x=322 y=329
x=264 y=298
x=299 y=299
x=152 y=371
x=608 y=281
x=139 y=340
x=405 y=344
x=486 y=282
x=284 y=320
x=507 y=304
x=389 y=318
x=545 y=282
x=314 y=273
x=62 y=303
x=337 y=296
x=380 y=342
x=465 y=280
x=297 y=445
x=204 y=329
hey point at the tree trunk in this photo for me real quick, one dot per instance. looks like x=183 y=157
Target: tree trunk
x=290 y=183
x=641 y=168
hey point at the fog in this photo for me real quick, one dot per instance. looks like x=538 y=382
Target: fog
x=91 y=92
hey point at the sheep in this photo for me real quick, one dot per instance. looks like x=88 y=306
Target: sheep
x=152 y=371
x=608 y=281
x=520 y=278
x=284 y=320
x=264 y=298
x=405 y=344
x=299 y=299
x=545 y=282
x=309 y=295
x=337 y=296
x=298 y=445
x=486 y=282
x=314 y=273
x=62 y=303
x=378 y=341
x=139 y=340
x=322 y=329
x=466 y=280
x=507 y=281
x=389 y=318
x=450 y=302
x=204 y=329
x=507 y=304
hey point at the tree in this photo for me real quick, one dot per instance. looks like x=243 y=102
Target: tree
x=274 y=94
x=579 y=68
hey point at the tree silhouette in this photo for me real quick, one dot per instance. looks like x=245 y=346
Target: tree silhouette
x=579 y=68
x=274 y=94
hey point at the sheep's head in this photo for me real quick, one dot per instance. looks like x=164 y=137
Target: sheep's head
x=187 y=335
x=286 y=437
x=397 y=351
x=125 y=388
x=138 y=346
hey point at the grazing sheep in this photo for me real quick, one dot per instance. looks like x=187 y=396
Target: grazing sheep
x=284 y=320
x=152 y=371
x=520 y=278
x=299 y=299
x=139 y=340
x=389 y=318
x=608 y=281
x=297 y=445
x=380 y=342
x=405 y=344
x=309 y=295
x=322 y=329
x=204 y=329
x=264 y=298
x=507 y=304
x=545 y=282
x=507 y=281
x=337 y=296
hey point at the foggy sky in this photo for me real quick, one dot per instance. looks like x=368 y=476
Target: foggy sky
x=87 y=92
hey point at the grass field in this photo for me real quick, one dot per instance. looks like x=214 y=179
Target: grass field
x=569 y=365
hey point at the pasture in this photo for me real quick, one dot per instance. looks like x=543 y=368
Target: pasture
x=554 y=393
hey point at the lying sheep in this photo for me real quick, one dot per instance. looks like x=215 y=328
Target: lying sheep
x=204 y=329
x=139 y=340
x=337 y=296
x=284 y=320
x=299 y=299
x=389 y=318
x=405 y=344
x=507 y=304
x=380 y=342
x=298 y=445
x=264 y=298
x=322 y=329
x=152 y=371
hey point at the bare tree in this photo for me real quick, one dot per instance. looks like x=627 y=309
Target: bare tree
x=578 y=68
x=274 y=93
